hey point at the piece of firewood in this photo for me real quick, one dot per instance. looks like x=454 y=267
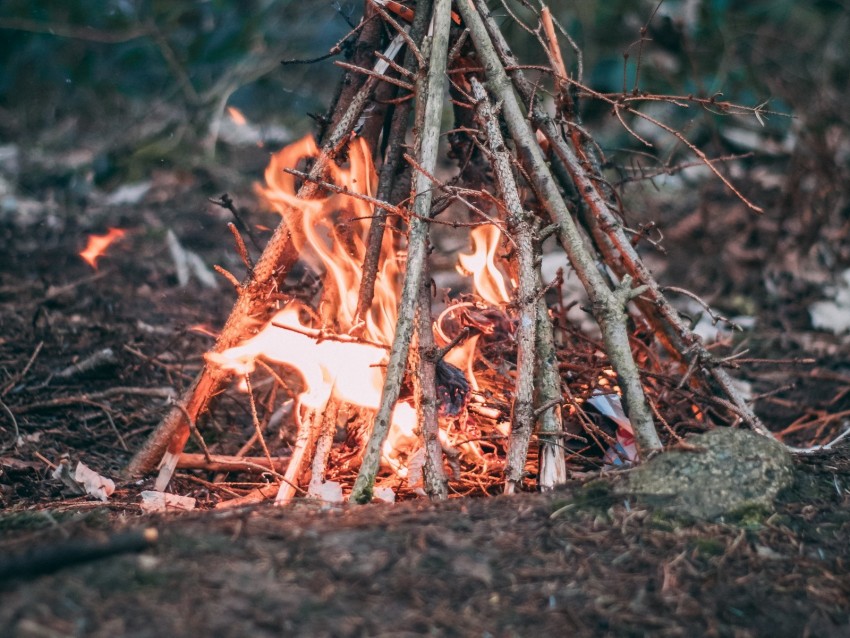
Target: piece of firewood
x=227 y=463
x=520 y=223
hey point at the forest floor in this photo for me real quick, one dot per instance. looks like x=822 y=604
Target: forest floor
x=577 y=561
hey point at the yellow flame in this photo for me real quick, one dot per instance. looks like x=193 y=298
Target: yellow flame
x=348 y=371
x=488 y=282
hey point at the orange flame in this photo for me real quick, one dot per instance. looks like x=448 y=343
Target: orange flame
x=331 y=233
x=488 y=282
x=98 y=244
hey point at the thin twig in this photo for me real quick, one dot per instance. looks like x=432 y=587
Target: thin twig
x=18 y=439
x=373 y=74
x=226 y=202
x=715 y=316
x=826 y=447
x=61 y=402
x=256 y=420
x=240 y=248
x=345 y=191
x=17 y=378
x=193 y=428
x=224 y=463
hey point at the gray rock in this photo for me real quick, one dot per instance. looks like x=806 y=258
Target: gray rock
x=731 y=472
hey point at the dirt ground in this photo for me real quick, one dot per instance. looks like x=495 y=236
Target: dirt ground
x=575 y=562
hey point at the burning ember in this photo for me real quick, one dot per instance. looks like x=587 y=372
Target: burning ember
x=97 y=245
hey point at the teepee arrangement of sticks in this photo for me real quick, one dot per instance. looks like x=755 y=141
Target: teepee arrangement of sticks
x=527 y=166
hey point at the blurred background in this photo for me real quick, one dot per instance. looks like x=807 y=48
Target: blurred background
x=96 y=94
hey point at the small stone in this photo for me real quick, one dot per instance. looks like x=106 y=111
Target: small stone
x=733 y=471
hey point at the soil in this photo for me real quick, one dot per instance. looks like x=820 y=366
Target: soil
x=578 y=560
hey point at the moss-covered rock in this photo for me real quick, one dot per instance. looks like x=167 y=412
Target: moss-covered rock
x=728 y=472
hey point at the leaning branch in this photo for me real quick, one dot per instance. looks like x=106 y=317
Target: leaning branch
x=520 y=222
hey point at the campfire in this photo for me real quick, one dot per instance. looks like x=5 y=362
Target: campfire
x=391 y=385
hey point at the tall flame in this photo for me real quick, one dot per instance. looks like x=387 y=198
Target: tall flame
x=488 y=283
x=332 y=233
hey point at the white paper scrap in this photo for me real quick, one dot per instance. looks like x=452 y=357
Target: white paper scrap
x=328 y=491
x=93 y=483
x=385 y=494
x=153 y=502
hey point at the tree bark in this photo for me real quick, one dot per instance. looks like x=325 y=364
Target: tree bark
x=520 y=223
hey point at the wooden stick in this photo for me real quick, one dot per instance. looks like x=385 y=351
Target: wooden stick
x=228 y=463
x=308 y=427
x=553 y=50
x=352 y=84
x=429 y=138
x=323 y=447
x=254 y=496
x=387 y=177
x=608 y=305
x=425 y=388
x=552 y=466
x=520 y=222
